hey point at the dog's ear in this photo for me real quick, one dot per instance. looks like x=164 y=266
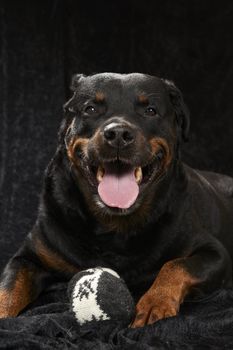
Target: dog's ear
x=68 y=107
x=181 y=110
x=75 y=80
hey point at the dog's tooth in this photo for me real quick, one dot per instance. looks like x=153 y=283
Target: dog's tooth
x=100 y=173
x=138 y=174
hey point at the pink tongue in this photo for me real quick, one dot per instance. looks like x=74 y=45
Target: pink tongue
x=118 y=189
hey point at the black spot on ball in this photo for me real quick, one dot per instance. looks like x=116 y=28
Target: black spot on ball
x=115 y=299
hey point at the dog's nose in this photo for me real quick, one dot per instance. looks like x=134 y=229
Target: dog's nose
x=118 y=135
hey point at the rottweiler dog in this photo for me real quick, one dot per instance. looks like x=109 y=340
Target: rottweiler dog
x=116 y=194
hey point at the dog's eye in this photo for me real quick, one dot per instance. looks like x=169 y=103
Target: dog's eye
x=150 y=111
x=90 y=110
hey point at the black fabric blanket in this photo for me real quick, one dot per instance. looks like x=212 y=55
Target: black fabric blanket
x=49 y=324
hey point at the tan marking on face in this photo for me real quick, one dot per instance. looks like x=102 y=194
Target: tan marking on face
x=96 y=140
x=143 y=99
x=166 y=294
x=158 y=143
x=99 y=97
x=14 y=300
x=53 y=260
x=77 y=142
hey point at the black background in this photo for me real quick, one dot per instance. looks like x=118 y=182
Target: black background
x=42 y=43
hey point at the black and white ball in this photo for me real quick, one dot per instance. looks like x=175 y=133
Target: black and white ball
x=100 y=294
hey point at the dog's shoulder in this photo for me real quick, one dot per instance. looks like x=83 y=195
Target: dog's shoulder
x=219 y=183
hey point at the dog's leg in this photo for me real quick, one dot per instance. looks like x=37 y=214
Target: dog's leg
x=204 y=271
x=32 y=268
x=20 y=283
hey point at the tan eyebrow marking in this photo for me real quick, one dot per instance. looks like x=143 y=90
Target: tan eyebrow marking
x=99 y=96
x=143 y=99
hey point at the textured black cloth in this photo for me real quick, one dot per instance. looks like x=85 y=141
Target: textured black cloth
x=48 y=324
x=42 y=43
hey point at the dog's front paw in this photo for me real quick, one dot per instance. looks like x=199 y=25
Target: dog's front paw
x=153 y=307
x=9 y=304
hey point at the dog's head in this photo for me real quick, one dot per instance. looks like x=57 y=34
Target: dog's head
x=121 y=134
